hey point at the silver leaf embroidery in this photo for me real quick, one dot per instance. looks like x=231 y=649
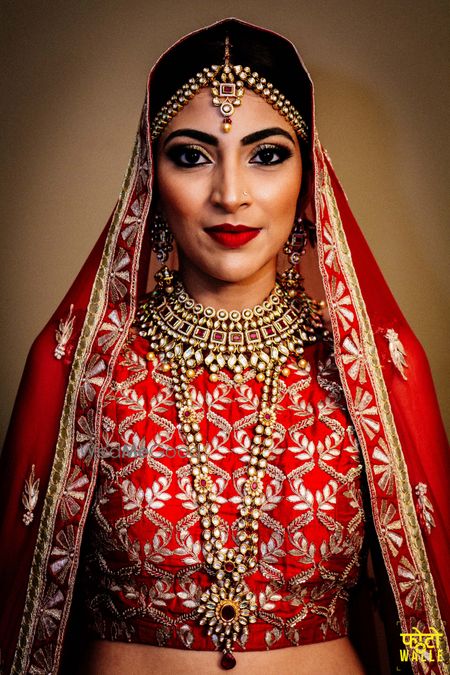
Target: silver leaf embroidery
x=30 y=497
x=397 y=351
x=425 y=506
x=63 y=334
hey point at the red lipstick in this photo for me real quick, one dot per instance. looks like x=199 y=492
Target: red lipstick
x=232 y=236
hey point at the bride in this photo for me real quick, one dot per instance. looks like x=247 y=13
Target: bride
x=209 y=467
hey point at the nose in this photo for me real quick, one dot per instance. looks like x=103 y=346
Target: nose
x=228 y=190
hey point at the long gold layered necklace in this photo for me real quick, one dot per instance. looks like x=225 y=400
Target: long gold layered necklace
x=185 y=338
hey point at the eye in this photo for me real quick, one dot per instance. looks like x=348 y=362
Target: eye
x=187 y=155
x=270 y=154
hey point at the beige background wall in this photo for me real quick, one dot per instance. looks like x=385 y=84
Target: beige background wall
x=73 y=85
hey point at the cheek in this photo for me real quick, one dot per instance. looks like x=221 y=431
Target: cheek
x=171 y=197
x=177 y=196
x=279 y=197
x=181 y=203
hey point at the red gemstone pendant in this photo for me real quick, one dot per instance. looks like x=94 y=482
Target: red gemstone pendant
x=228 y=661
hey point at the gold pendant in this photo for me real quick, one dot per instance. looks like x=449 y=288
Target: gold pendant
x=227 y=610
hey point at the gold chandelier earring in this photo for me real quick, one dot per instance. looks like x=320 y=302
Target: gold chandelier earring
x=295 y=247
x=162 y=238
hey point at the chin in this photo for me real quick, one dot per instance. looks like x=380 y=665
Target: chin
x=237 y=272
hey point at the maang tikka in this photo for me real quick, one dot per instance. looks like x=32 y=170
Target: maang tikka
x=226 y=91
x=294 y=247
x=227 y=84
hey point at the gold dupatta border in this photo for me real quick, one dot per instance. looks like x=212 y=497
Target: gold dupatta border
x=63 y=451
x=141 y=166
x=411 y=527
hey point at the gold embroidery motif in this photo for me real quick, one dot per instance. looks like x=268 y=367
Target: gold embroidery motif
x=384 y=468
x=30 y=497
x=355 y=357
x=63 y=334
x=425 y=506
x=26 y=639
x=397 y=351
x=317 y=493
x=403 y=488
x=410 y=582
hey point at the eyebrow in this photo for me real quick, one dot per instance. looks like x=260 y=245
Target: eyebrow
x=213 y=140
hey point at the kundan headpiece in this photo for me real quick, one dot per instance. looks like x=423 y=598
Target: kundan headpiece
x=228 y=84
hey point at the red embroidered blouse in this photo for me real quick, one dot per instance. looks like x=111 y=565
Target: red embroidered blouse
x=142 y=566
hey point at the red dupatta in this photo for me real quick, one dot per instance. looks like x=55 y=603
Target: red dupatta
x=48 y=477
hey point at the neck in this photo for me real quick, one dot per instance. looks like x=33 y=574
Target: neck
x=218 y=294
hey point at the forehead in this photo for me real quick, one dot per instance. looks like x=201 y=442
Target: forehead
x=253 y=114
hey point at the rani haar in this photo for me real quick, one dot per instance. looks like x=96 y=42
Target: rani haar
x=187 y=338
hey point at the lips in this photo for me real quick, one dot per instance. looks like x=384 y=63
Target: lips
x=232 y=236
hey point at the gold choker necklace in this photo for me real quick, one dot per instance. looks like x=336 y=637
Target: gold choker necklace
x=178 y=327
x=187 y=337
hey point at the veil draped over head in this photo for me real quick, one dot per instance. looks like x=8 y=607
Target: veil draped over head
x=48 y=468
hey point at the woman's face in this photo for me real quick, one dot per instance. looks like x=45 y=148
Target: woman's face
x=210 y=182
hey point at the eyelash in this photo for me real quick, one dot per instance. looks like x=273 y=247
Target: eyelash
x=176 y=152
x=282 y=151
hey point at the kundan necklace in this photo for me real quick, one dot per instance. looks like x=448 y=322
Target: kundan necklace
x=186 y=337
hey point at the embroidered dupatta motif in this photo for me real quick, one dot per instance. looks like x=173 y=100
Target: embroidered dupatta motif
x=49 y=464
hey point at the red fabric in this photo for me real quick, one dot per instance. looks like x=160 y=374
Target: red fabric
x=311 y=529
x=414 y=403
x=31 y=439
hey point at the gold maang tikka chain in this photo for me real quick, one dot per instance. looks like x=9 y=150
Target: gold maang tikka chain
x=226 y=92
x=186 y=337
x=227 y=84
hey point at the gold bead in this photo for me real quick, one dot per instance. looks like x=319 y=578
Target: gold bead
x=227 y=127
x=190 y=373
x=213 y=377
x=285 y=372
x=166 y=367
x=302 y=363
x=150 y=356
x=260 y=377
